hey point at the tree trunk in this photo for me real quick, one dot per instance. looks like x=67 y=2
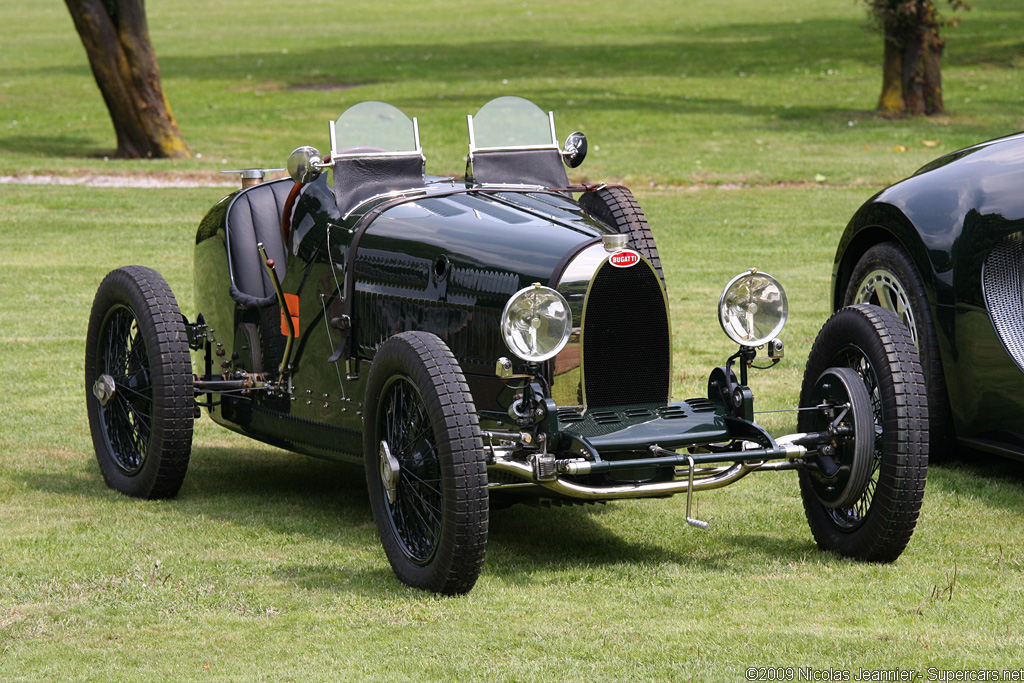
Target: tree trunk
x=911 y=71
x=116 y=40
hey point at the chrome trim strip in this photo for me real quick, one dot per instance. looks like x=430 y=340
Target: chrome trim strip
x=375 y=155
x=573 y=284
x=515 y=148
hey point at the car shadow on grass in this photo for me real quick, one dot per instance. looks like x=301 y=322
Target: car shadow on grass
x=994 y=481
x=282 y=494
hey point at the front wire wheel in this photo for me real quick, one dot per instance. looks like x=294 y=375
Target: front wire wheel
x=425 y=468
x=877 y=526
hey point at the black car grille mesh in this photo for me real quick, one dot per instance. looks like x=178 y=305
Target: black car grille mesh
x=625 y=338
x=1003 y=283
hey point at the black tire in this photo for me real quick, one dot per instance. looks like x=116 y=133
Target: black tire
x=872 y=341
x=618 y=208
x=142 y=432
x=885 y=276
x=434 y=531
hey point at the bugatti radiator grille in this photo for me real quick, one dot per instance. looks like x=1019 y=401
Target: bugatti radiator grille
x=625 y=338
x=1003 y=283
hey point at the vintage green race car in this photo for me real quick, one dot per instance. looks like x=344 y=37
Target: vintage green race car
x=481 y=341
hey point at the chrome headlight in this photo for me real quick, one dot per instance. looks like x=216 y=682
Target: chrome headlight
x=753 y=308
x=536 y=323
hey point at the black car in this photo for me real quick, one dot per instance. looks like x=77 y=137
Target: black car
x=944 y=249
x=483 y=341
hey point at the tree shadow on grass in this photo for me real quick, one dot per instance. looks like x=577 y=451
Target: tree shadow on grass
x=51 y=146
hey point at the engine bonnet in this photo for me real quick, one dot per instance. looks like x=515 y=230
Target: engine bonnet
x=527 y=235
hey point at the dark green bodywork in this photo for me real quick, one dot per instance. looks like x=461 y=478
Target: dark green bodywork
x=445 y=261
x=949 y=216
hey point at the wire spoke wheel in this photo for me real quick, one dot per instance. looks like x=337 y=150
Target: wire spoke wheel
x=882 y=288
x=416 y=512
x=425 y=469
x=874 y=344
x=138 y=381
x=840 y=472
x=128 y=413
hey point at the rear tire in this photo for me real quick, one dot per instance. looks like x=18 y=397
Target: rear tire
x=425 y=468
x=618 y=208
x=138 y=382
x=878 y=526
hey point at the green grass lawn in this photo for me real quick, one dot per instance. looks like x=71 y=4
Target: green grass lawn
x=267 y=566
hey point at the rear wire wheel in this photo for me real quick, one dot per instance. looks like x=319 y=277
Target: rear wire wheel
x=619 y=209
x=425 y=468
x=878 y=525
x=138 y=382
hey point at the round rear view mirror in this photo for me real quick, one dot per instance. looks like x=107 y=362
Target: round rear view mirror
x=575 y=150
x=304 y=164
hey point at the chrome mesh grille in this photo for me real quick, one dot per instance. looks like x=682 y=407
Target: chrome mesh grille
x=1002 y=281
x=625 y=339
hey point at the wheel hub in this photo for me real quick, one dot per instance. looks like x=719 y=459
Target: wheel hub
x=104 y=388
x=389 y=472
x=842 y=466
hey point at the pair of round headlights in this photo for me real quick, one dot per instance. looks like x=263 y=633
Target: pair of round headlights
x=537 y=322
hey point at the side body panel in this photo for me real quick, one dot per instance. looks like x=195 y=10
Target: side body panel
x=322 y=417
x=948 y=217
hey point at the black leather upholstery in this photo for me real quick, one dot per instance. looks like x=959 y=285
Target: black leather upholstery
x=255 y=216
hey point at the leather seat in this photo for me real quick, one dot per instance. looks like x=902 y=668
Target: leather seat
x=255 y=216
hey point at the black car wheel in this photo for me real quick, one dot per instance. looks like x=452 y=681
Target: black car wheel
x=879 y=524
x=618 y=208
x=425 y=468
x=138 y=382
x=886 y=276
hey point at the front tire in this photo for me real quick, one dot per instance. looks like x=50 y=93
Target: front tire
x=138 y=382
x=425 y=468
x=879 y=524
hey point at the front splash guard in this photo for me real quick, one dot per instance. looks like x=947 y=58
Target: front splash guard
x=658 y=430
x=635 y=428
